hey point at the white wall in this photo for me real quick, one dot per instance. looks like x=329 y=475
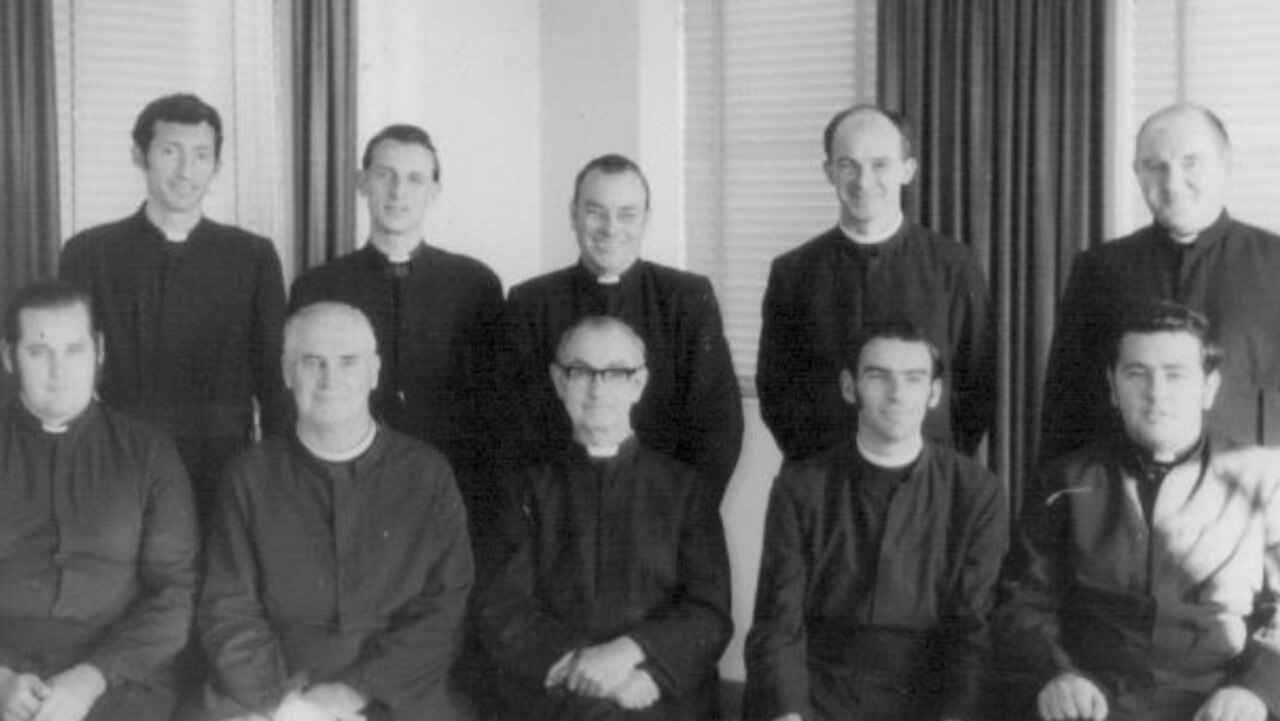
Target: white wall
x=468 y=72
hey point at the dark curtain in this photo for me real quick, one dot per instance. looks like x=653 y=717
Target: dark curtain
x=1006 y=99
x=324 y=125
x=28 y=148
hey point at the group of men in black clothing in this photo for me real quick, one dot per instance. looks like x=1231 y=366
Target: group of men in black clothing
x=534 y=483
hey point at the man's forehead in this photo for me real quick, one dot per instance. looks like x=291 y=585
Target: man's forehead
x=621 y=188
x=895 y=354
x=64 y=320
x=170 y=130
x=601 y=348
x=1178 y=133
x=333 y=335
x=869 y=129
x=390 y=152
x=1161 y=348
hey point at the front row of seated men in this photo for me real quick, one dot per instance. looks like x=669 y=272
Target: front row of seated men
x=1142 y=584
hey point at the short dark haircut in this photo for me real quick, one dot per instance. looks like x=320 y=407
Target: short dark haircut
x=41 y=295
x=183 y=108
x=902 y=330
x=1164 y=316
x=898 y=121
x=600 y=323
x=1211 y=118
x=611 y=164
x=407 y=134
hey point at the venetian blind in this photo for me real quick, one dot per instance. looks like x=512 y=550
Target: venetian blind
x=1222 y=54
x=762 y=78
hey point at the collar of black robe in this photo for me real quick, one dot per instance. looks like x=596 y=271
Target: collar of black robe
x=587 y=281
x=865 y=251
x=360 y=464
x=577 y=453
x=28 y=422
x=144 y=228
x=373 y=255
x=1140 y=462
x=1203 y=243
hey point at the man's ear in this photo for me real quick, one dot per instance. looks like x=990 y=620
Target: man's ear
x=1212 y=383
x=1111 y=388
x=558 y=379
x=375 y=367
x=139 y=158
x=935 y=393
x=99 y=342
x=6 y=349
x=848 y=388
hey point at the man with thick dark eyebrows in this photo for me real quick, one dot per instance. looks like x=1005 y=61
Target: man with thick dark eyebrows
x=880 y=560
x=1144 y=584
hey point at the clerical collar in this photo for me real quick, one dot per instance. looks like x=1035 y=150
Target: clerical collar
x=180 y=235
x=344 y=455
x=874 y=238
x=1152 y=470
x=891 y=460
x=398 y=257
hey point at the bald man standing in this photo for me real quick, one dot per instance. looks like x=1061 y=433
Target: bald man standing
x=1193 y=253
x=874 y=266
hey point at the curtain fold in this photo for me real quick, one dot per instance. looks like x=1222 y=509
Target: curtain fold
x=324 y=125
x=29 y=238
x=1007 y=101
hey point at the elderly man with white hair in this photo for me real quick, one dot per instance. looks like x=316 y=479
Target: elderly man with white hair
x=339 y=566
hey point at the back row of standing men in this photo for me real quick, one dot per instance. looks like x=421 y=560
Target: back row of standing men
x=192 y=313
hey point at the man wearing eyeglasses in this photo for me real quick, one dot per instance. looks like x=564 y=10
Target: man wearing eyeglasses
x=692 y=408
x=612 y=597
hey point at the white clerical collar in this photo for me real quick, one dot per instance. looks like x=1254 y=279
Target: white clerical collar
x=872 y=239
x=898 y=459
x=345 y=455
x=603 y=451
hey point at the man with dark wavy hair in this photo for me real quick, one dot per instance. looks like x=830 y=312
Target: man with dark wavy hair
x=1144 y=584
x=190 y=308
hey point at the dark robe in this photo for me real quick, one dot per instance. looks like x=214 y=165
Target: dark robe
x=354 y=572
x=598 y=549
x=1230 y=273
x=896 y=631
x=823 y=293
x=97 y=555
x=1157 y=582
x=692 y=406
x=193 y=333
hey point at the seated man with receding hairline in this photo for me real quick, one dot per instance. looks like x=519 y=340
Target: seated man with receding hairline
x=612 y=599
x=339 y=565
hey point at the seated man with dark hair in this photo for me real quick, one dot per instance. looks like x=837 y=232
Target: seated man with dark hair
x=881 y=556
x=612 y=600
x=339 y=566
x=97 y=531
x=1145 y=579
